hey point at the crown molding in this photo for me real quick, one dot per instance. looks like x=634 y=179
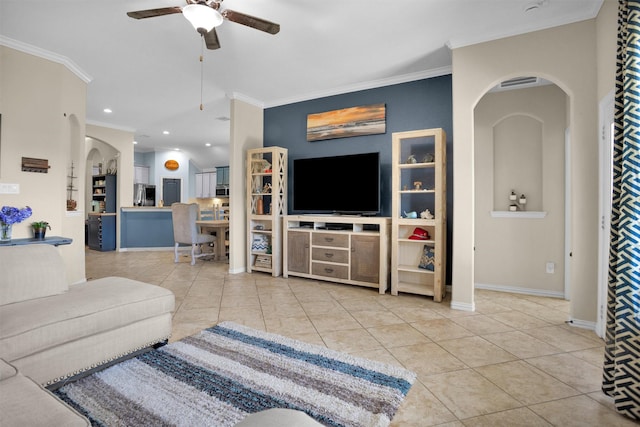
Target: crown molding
x=45 y=54
x=458 y=42
x=110 y=126
x=245 y=98
x=372 y=84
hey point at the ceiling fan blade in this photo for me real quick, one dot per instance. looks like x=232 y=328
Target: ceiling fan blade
x=150 y=13
x=211 y=39
x=251 y=21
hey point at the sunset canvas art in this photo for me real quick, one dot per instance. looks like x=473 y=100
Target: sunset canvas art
x=354 y=121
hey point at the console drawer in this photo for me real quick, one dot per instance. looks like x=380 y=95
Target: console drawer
x=330 y=270
x=330 y=254
x=330 y=239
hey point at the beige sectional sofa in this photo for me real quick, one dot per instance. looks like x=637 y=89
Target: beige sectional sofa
x=50 y=331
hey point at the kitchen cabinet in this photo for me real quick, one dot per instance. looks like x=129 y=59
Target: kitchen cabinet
x=222 y=177
x=104 y=193
x=102 y=232
x=206 y=184
x=141 y=174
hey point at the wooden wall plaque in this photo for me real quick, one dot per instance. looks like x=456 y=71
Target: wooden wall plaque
x=30 y=164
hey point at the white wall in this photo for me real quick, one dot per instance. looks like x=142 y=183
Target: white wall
x=247 y=124
x=571 y=64
x=43 y=116
x=181 y=173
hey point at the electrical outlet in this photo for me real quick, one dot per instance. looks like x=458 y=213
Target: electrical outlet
x=9 y=188
x=551 y=267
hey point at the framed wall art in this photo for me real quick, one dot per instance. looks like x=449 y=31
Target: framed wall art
x=347 y=122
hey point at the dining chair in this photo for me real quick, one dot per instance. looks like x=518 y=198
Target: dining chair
x=185 y=230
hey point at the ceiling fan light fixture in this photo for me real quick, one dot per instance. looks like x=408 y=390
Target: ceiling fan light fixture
x=203 y=18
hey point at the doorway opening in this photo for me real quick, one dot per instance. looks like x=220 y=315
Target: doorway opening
x=521 y=142
x=171 y=191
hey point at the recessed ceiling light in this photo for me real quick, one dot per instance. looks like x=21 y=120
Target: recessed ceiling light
x=176 y=149
x=107 y=110
x=135 y=142
x=165 y=132
x=208 y=144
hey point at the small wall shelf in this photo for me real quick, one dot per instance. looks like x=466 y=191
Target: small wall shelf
x=519 y=214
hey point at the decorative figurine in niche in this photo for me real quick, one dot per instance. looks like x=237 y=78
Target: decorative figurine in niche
x=428 y=158
x=411 y=159
x=267 y=188
x=426 y=214
x=417 y=185
x=412 y=215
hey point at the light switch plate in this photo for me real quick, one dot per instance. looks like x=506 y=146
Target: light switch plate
x=9 y=188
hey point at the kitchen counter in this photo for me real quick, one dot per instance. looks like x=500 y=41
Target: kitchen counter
x=144 y=227
x=145 y=208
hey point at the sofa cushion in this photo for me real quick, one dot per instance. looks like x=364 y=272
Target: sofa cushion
x=30 y=271
x=6 y=370
x=25 y=403
x=86 y=309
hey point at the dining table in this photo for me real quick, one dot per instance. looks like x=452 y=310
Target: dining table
x=220 y=227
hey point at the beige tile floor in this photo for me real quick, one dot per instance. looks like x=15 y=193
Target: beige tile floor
x=512 y=362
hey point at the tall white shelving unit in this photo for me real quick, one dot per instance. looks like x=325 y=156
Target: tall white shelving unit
x=418 y=184
x=266 y=204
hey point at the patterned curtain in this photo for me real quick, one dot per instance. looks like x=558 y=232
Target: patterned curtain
x=621 y=378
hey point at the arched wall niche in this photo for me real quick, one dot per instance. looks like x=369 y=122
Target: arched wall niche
x=75 y=169
x=517 y=163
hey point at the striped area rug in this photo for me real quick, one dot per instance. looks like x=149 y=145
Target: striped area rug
x=222 y=374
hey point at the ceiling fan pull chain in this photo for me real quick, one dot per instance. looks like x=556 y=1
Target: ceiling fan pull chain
x=201 y=71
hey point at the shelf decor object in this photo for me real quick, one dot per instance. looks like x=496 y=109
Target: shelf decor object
x=30 y=164
x=71 y=203
x=418 y=243
x=266 y=204
x=171 y=165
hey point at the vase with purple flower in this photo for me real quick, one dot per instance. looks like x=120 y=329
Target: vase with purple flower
x=9 y=216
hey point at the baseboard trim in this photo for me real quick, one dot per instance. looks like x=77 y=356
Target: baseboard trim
x=519 y=290
x=464 y=306
x=583 y=324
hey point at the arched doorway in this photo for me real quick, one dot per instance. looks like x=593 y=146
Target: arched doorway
x=520 y=137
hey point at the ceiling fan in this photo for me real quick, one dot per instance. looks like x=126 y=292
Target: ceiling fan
x=205 y=15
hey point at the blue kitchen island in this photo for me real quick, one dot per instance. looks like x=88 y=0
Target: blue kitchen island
x=146 y=228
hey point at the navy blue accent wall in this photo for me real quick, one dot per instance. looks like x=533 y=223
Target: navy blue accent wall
x=421 y=104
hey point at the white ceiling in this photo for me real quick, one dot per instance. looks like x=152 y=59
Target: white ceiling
x=148 y=71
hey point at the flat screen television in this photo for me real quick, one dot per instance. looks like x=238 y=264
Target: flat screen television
x=346 y=184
